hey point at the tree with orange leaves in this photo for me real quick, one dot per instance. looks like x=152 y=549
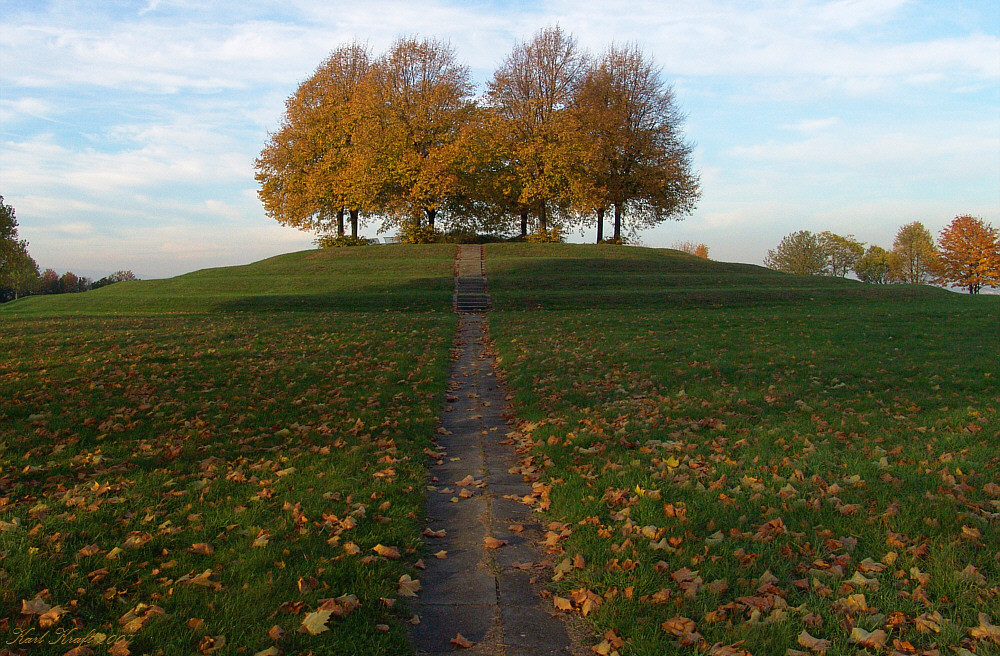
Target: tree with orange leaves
x=969 y=254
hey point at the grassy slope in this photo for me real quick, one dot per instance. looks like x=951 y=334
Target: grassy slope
x=390 y=277
x=153 y=416
x=727 y=446
x=652 y=382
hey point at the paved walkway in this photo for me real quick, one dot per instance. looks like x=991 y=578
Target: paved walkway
x=484 y=594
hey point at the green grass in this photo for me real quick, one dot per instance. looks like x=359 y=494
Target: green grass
x=680 y=408
x=284 y=404
x=393 y=277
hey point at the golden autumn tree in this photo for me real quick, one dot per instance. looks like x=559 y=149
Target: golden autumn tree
x=308 y=171
x=528 y=98
x=969 y=254
x=410 y=122
x=633 y=158
x=913 y=256
x=692 y=248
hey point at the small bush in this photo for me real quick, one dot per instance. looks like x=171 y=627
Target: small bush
x=468 y=237
x=410 y=233
x=340 y=242
x=552 y=236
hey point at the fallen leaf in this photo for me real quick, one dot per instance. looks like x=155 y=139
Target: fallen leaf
x=120 y=648
x=270 y=651
x=929 y=622
x=818 y=645
x=408 y=587
x=461 y=641
x=562 y=603
x=493 y=543
x=874 y=640
x=51 y=617
x=34 y=607
x=392 y=553
x=82 y=650
x=210 y=645
x=315 y=623
x=678 y=625
x=986 y=629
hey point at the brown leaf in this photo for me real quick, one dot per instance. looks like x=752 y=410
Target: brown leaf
x=929 y=622
x=392 y=553
x=270 y=651
x=34 y=607
x=306 y=585
x=678 y=626
x=82 y=650
x=986 y=629
x=51 y=617
x=461 y=641
x=202 y=549
x=136 y=618
x=408 y=587
x=493 y=543
x=874 y=640
x=275 y=633
x=120 y=648
x=210 y=645
x=818 y=645
x=561 y=603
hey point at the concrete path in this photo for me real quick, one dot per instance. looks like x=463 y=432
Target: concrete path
x=484 y=594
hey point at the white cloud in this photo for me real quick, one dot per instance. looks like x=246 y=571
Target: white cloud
x=814 y=124
x=815 y=114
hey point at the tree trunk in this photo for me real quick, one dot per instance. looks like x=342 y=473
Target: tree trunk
x=543 y=224
x=600 y=225
x=524 y=223
x=354 y=223
x=618 y=222
x=340 y=222
x=430 y=217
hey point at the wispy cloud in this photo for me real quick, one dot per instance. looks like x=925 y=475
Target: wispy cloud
x=805 y=111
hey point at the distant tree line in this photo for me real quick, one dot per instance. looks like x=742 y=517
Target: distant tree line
x=966 y=255
x=561 y=139
x=19 y=274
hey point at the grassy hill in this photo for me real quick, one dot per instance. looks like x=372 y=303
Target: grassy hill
x=213 y=455
x=744 y=460
x=390 y=277
x=726 y=448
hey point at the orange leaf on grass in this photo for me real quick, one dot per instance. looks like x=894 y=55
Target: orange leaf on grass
x=461 y=641
x=392 y=553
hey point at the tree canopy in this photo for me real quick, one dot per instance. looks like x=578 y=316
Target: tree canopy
x=557 y=137
x=633 y=157
x=18 y=270
x=913 y=256
x=969 y=254
x=800 y=253
x=873 y=267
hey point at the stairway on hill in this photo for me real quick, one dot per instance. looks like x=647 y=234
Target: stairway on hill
x=470 y=280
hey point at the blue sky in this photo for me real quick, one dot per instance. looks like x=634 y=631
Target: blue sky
x=128 y=130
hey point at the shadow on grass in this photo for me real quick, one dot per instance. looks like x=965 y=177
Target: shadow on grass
x=647 y=279
x=418 y=295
